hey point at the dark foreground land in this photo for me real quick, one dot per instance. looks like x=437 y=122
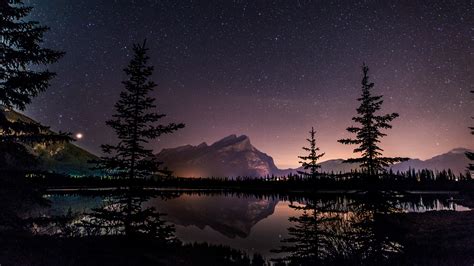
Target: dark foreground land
x=46 y=250
x=437 y=238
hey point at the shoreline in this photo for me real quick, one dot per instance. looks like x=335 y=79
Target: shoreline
x=263 y=190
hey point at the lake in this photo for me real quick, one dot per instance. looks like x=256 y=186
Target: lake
x=257 y=223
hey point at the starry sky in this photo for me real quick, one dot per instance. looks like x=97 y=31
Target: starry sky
x=266 y=69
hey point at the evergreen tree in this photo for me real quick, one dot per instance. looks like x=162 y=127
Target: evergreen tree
x=310 y=161
x=470 y=155
x=22 y=59
x=135 y=124
x=368 y=134
x=20 y=53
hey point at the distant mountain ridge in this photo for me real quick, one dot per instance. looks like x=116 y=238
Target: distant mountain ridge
x=235 y=156
x=334 y=165
x=455 y=160
x=230 y=156
x=234 y=221
x=64 y=158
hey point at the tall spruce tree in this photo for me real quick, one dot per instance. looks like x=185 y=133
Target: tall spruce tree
x=135 y=124
x=470 y=155
x=22 y=79
x=310 y=161
x=22 y=60
x=368 y=134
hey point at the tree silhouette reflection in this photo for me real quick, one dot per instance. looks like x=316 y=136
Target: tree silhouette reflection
x=351 y=231
x=372 y=239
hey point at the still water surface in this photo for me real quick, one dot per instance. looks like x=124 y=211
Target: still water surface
x=251 y=223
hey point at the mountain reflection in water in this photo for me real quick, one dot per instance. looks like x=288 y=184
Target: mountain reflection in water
x=231 y=216
x=340 y=225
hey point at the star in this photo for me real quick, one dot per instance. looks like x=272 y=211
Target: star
x=282 y=67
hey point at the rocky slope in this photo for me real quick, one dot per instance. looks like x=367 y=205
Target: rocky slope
x=231 y=156
x=455 y=160
x=65 y=158
x=236 y=156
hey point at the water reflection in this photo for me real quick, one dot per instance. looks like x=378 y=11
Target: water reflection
x=326 y=234
x=317 y=234
x=231 y=216
x=372 y=237
x=322 y=228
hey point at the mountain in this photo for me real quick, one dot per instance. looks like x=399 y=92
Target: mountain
x=65 y=158
x=335 y=165
x=235 y=156
x=455 y=160
x=338 y=166
x=230 y=216
x=231 y=156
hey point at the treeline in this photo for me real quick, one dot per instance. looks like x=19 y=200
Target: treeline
x=424 y=179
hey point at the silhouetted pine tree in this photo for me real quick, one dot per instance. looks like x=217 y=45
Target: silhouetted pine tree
x=368 y=134
x=135 y=123
x=310 y=161
x=470 y=155
x=21 y=79
x=20 y=52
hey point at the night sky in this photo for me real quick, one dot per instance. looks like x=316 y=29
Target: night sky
x=267 y=69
